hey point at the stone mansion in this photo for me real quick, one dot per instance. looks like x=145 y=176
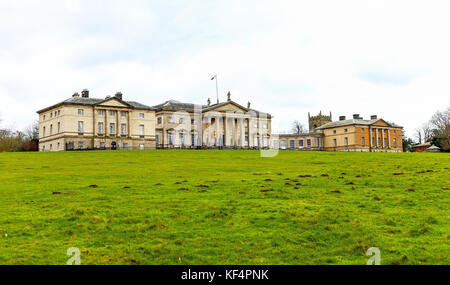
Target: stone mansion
x=82 y=122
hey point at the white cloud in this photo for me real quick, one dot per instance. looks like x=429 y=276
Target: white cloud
x=388 y=58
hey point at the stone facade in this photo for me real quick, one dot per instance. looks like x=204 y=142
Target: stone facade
x=89 y=123
x=357 y=134
x=221 y=125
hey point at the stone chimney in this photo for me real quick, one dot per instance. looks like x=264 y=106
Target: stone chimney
x=118 y=95
x=373 y=117
x=355 y=116
x=209 y=102
x=341 y=118
x=75 y=95
x=85 y=93
x=248 y=105
x=229 y=96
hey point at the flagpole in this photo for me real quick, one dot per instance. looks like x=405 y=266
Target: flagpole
x=217 y=90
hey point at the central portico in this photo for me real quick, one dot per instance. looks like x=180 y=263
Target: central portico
x=226 y=124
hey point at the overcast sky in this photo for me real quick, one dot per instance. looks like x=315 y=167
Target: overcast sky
x=288 y=58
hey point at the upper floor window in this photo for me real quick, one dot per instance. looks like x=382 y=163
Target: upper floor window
x=43 y=131
x=141 y=115
x=100 y=112
x=362 y=129
x=51 y=115
x=80 y=112
x=394 y=132
x=100 y=128
x=123 y=129
x=334 y=131
x=181 y=120
x=59 y=127
x=170 y=119
x=43 y=118
x=112 y=128
x=264 y=126
x=51 y=129
x=345 y=130
x=245 y=123
x=56 y=113
x=141 y=130
x=193 y=121
x=80 y=127
x=159 y=120
x=123 y=114
x=112 y=113
x=80 y=145
x=363 y=141
x=59 y=112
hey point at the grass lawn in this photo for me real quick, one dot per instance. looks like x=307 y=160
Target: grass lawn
x=148 y=207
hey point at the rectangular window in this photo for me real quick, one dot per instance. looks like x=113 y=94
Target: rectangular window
x=51 y=146
x=181 y=120
x=58 y=145
x=100 y=112
x=318 y=142
x=362 y=129
x=245 y=123
x=59 y=127
x=170 y=119
x=255 y=124
x=141 y=130
x=394 y=131
x=112 y=113
x=346 y=142
x=123 y=129
x=395 y=143
x=193 y=139
x=308 y=142
x=300 y=143
x=283 y=144
x=125 y=146
x=385 y=141
x=379 y=141
x=334 y=131
x=335 y=142
x=80 y=127
x=51 y=129
x=43 y=131
x=265 y=126
x=59 y=112
x=80 y=145
x=157 y=139
x=291 y=143
x=51 y=115
x=123 y=114
x=255 y=141
x=171 y=139
x=43 y=118
x=182 y=139
x=345 y=130
x=373 y=141
x=141 y=115
x=141 y=146
x=80 y=112
x=100 y=128
x=159 y=120
x=363 y=142
x=193 y=122
x=102 y=145
x=112 y=128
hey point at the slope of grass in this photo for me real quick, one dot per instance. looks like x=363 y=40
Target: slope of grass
x=149 y=207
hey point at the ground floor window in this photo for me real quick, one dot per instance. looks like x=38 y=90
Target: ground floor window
x=291 y=143
x=80 y=145
x=170 y=138
x=283 y=144
x=182 y=139
x=363 y=142
x=141 y=146
x=308 y=142
x=246 y=140
x=335 y=142
x=102 y=145
x=157 y=139
x=300 y=143
x=125 y=146
x=395 y=142
x=346 y=142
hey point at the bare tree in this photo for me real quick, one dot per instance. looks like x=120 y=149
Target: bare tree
x=427 y=132
x=32 y=131
x=297 y=127
x=440 y=124
x=418 y=135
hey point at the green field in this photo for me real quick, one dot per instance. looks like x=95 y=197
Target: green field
x=148 y=207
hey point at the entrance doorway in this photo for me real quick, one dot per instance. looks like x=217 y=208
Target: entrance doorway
x=113 y=146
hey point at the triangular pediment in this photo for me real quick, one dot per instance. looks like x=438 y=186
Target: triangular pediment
x=113 y=102
x=229 y=106
x=381 y=122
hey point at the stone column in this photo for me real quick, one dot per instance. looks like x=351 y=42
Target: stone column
x=370 y=138
x=376 y=139
x=389 y=138
x=209 y=131
x=382 y=137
